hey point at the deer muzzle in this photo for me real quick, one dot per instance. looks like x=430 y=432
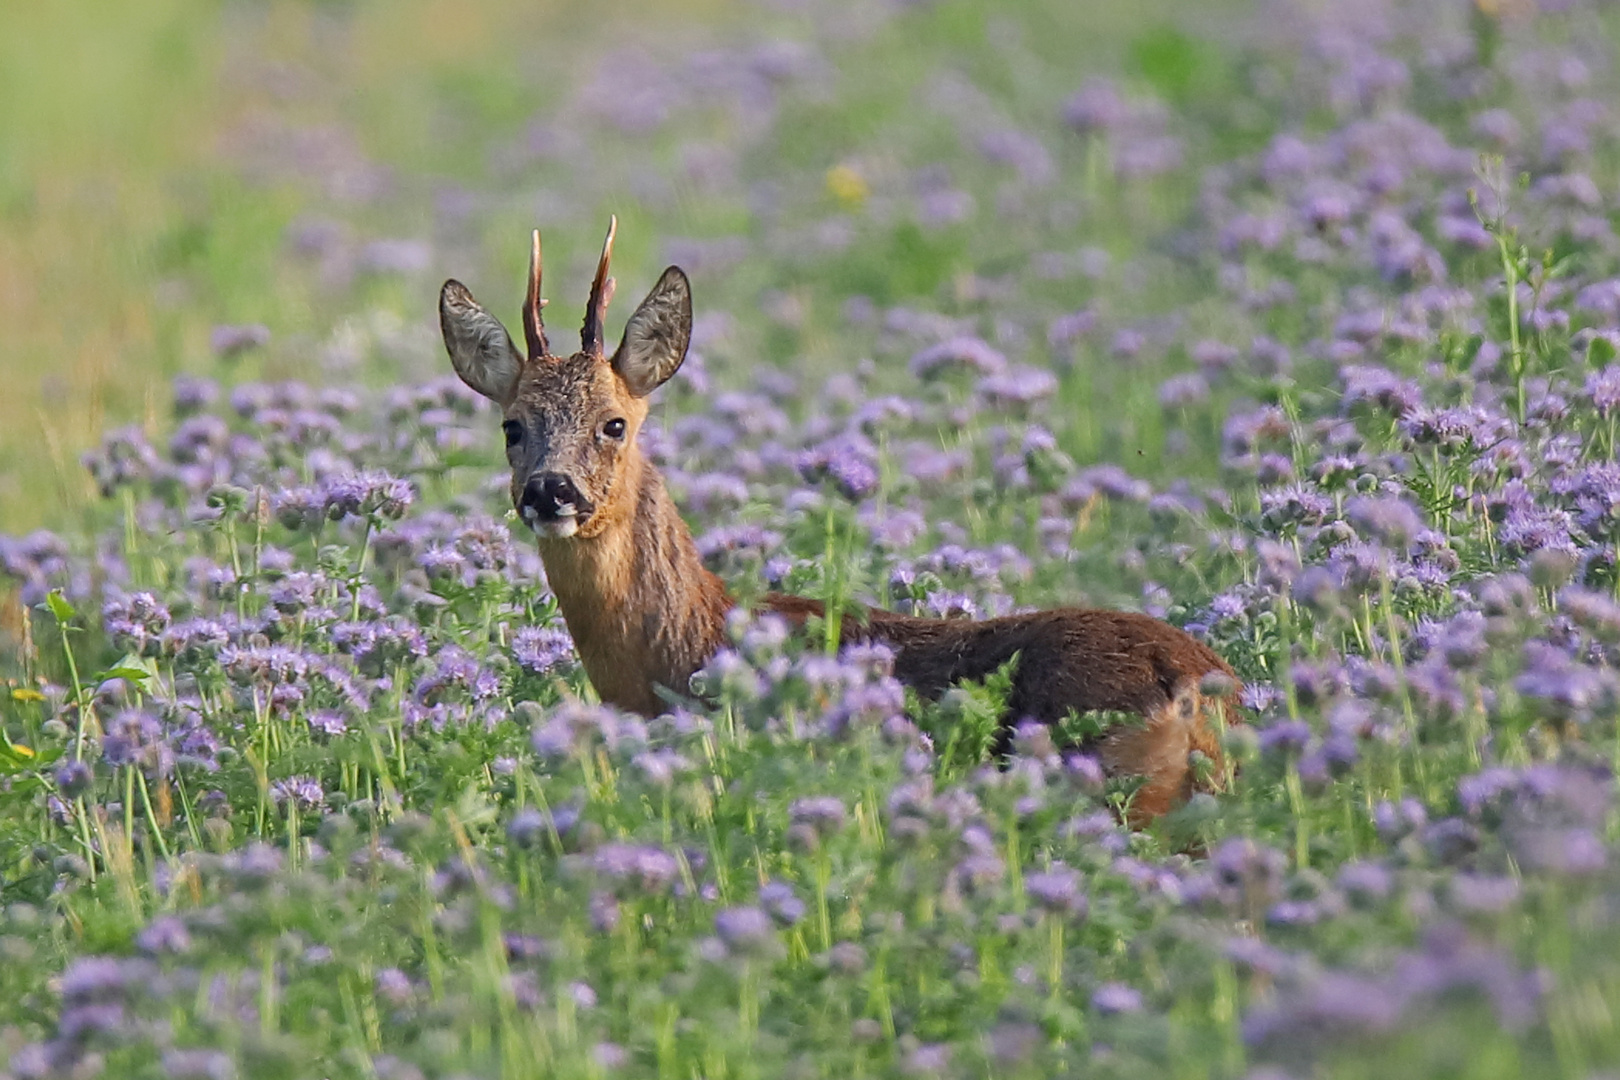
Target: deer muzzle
x=552 y=506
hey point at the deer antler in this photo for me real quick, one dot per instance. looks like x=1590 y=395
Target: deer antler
x=534 y=328
x=590 y=335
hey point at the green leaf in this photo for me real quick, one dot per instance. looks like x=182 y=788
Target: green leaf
x=60 y=608
x=15 y=758
x=144 y=666
x=1079 y=728
x=1600 y=352
x=130 y=674
x=1170 y=60
x=966 y=719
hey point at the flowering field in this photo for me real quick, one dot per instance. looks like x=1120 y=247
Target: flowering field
x=1299 y=329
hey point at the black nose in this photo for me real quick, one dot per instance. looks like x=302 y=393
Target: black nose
x=552 y=495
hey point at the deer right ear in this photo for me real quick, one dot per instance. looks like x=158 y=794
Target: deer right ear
x=480 y=348
x=656 y=337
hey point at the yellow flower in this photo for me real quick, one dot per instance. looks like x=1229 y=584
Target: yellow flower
x=847 y=185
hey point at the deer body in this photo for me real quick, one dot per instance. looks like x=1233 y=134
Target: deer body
x=645 y=613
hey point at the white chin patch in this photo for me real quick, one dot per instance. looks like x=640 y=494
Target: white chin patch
x=561 y=527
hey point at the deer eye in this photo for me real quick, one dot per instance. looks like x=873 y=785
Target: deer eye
x=614 y=429
x=514 y=432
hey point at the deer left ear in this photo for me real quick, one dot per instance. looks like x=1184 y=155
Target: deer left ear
x=657 y=335
x=479 y=346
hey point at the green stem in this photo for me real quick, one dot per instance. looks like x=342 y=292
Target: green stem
x=1054 y=963
x=1510 y=272
x=85 y=712
x=151 y=815
x=131 y=536
x=834 y=607
x=359 y=570
x=186 y=809
x=1399 y=663
x=82 y=812
x=1296 y=808
x=823 y=916
x=129 y=802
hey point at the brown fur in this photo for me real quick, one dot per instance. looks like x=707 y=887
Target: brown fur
x=645 y=614
x=643 y=610
x=1070 y=659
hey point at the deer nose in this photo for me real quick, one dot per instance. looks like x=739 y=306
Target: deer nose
x=552 y=495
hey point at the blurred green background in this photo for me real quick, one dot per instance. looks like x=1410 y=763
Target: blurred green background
x=318 y=168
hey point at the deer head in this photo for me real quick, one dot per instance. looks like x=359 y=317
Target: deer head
x=571 y=422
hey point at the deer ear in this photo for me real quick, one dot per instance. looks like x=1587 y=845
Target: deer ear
x=656 y=337
x=480 y=348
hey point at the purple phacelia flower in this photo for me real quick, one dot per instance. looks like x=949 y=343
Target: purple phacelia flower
x=961 y=352
x=124 y=458
x=783 y=904
x=394 y=986
x=199 y=439
x=1595 y=612
x=849 y=461
x=1481 y=894
x=1366 y=883
x=1096 y=107
x=134 y=737
x=1056 y=890
x=298 y=791
x=603 y=910
x=230 y=341
x=164 y=934
x=180 y=1063
x=526 y=827
x=1562 y=689
x=299 y=507
x=1380 y=387
x=74 y=779
x=1285 y=737
x=1110 y=481
x=740 y=539
x=1392 y=521
x=1602 y=389
x=1248 y=868
x=644 y=868
x=1065 y=329
x=1294 y=505
x=1183 y=391
x=1019 y=386
x=193 y=394
x=542 y=649
x=1110 y=999
x=823 y=813
x=457 y=669
x=328 y=721
x=367 y=494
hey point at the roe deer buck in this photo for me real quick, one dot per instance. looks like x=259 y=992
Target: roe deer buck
x=645 y=613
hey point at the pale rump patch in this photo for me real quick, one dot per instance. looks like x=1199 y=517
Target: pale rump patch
x=1162 y=750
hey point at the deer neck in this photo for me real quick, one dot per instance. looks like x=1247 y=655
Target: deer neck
x=641 y=607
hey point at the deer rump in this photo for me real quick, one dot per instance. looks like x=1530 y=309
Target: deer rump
x=1071 y=660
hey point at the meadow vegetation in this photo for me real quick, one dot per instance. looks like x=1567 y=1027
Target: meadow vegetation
x=1295 y=324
